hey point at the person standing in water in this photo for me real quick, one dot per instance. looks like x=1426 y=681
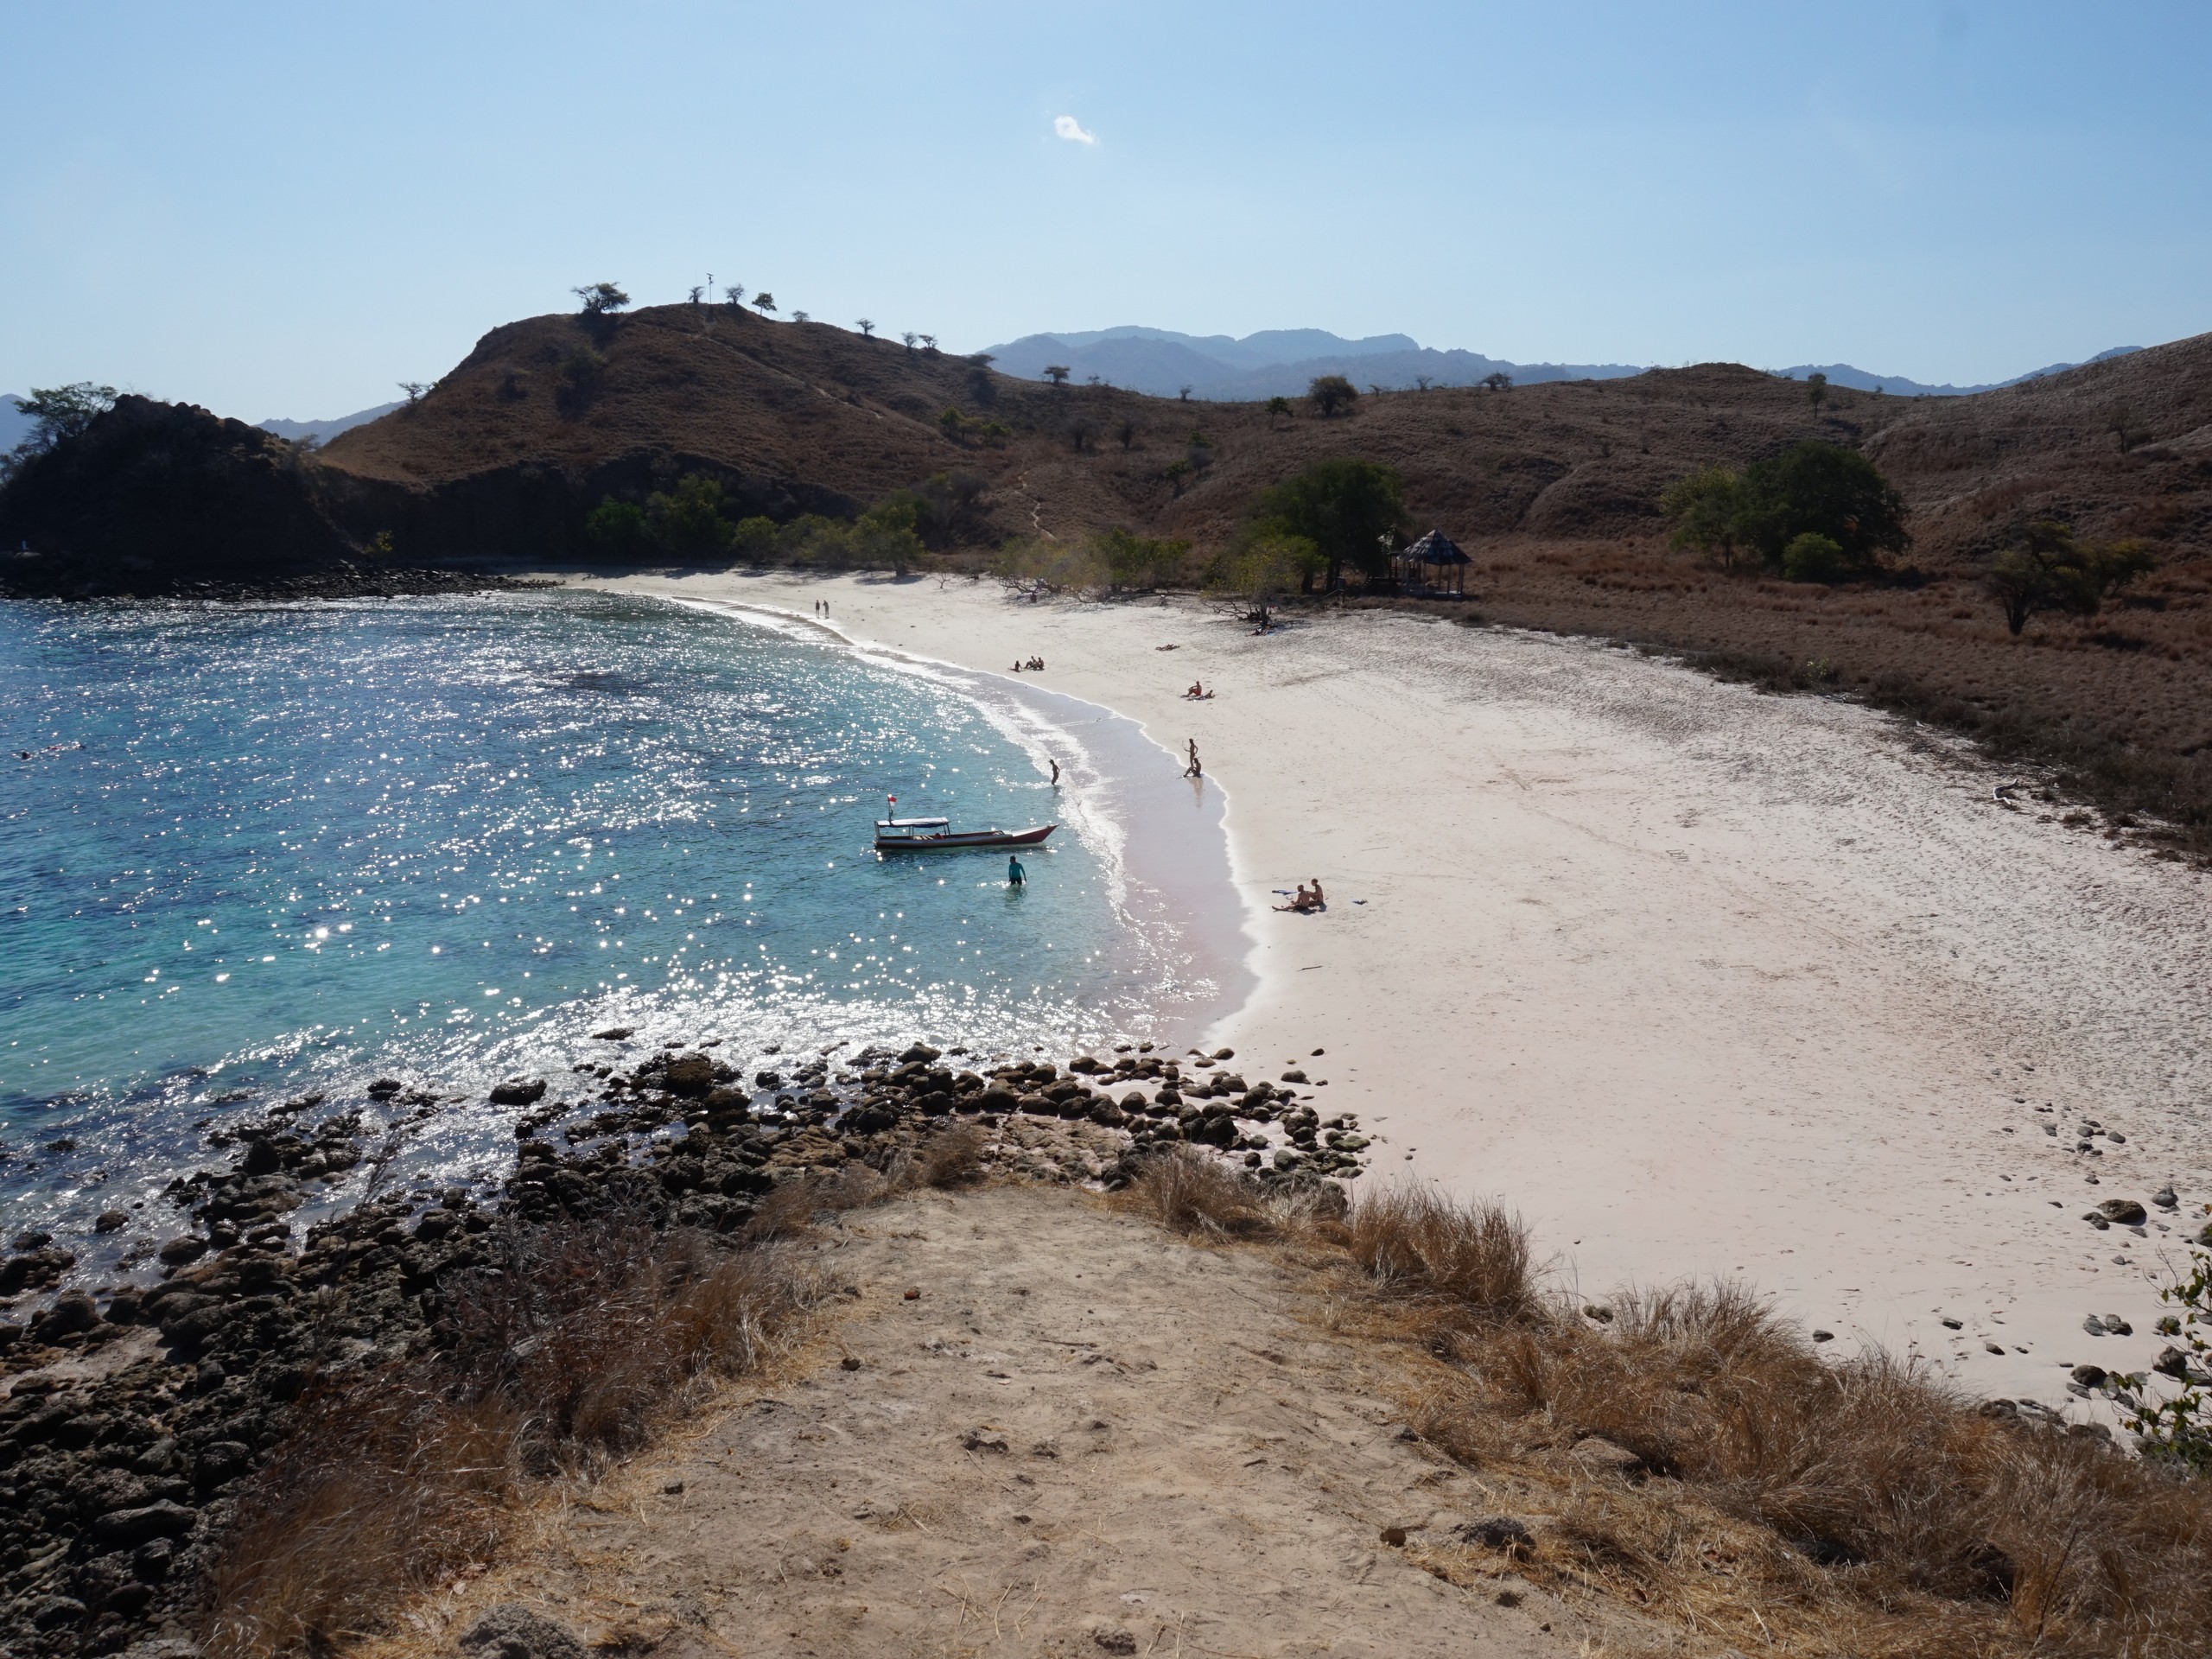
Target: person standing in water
x=1015 y=876
x=1193 y=769
x=1056 y=772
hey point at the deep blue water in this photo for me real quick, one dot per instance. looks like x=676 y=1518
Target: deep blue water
x=255 y=851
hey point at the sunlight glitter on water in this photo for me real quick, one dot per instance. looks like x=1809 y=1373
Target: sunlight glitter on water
x=445 y=839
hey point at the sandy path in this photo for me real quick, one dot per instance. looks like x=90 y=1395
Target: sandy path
x=1083 y=1436
x=1702 y=981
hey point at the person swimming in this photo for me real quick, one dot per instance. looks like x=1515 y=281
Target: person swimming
x=1015 y=875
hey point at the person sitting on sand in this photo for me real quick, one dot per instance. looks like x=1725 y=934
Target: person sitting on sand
x=1017 y=667
x=1301 y=904
x=1320 y=901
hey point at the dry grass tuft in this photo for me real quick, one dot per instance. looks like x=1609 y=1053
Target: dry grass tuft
x=566 y=1351
x=1887 y=1510
x=953 y=1158
x=1188 y=1191
x=1781 y=1501
x=1474 y=1258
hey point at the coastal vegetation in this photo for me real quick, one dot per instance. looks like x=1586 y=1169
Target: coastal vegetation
x=1815 y=512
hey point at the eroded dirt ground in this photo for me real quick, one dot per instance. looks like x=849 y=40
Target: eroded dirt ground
x=1082 y=1436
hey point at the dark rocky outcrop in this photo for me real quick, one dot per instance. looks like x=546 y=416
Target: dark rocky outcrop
x=166 y=500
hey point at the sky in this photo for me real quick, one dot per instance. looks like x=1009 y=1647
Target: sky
x=285 y=210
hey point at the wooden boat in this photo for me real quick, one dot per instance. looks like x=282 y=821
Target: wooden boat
x=938 y=836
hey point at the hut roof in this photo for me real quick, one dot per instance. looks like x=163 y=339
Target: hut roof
x=1436 y=548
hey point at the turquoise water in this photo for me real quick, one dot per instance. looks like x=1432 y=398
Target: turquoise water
x=257 y=851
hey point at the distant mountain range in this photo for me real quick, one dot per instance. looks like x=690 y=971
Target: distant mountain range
x=1842 y=374
x=1276 y=362
x=1282 y=362
x=323 y=431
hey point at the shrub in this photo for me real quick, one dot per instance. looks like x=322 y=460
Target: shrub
x=1814 y=557
x=619 y=527
x=1141 y=563
x=1472 y=1257
x=688 y=521
x=1707 y=509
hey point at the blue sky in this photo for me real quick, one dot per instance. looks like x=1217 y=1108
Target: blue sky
x=284 y=210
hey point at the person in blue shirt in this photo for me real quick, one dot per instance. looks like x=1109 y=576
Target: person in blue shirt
x=1015 y=876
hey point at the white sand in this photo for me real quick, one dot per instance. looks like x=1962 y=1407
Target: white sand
x=1702 y=982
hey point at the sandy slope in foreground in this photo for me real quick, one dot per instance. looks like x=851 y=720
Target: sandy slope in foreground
x=1083 y=1436
x=1702 y=981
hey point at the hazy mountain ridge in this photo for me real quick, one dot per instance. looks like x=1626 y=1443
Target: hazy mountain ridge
x=1274 y=362
x=323 y=431
x=1843 y=374
x=1282 y=362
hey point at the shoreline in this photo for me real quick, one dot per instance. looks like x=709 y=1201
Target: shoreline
x=1708 y=984
x=1174 y=870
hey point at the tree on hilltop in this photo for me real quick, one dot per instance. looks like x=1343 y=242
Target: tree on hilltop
x=58 y=413
x=910 y=337
x=867 y=325
x=1816 y=387
x=602 y=299
x=734 y=295
x=1332 y=392
x=1498 y=380
x=764 y=302
x=1058 y=373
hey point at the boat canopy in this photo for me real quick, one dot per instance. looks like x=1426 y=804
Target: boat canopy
x=912 y=824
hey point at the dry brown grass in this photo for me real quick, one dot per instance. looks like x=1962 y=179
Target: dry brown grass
x=568 y=1354
x=1783 y=1502
x=953 y=1158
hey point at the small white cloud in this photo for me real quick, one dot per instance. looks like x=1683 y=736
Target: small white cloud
x=1071 y=130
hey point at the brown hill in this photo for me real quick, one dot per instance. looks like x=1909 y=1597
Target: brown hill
x=804 y=417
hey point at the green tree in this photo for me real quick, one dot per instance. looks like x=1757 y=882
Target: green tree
x=1175 y=471
x=602 y=299
x=1130 y=563
x=1332 y=392
x=1498 y=380
x=620 y=528
x=764 y=302
x=1344 y=507
x=885 y=535
x=1825 y=490
x=1057 y=374
x=1279 y=410
x=1261 y=567
x=2048 y=569
x=1707 y=509
x=688 y=521
x=1816 y=388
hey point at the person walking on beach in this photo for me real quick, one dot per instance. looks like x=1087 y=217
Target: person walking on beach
x=1193 y=769
x=1015 y=875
